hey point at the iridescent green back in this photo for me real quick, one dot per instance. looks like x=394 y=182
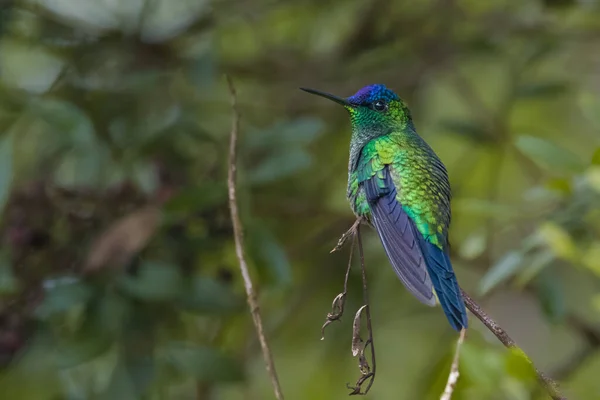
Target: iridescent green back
x=420 y=177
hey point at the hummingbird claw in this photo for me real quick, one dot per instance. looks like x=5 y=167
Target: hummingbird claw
x=346 y=235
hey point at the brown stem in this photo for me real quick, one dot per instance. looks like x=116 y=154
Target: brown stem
x=454 y=372
x=239 y=246
x=548 y=383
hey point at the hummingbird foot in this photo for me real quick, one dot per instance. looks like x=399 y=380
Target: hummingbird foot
x=346 y=235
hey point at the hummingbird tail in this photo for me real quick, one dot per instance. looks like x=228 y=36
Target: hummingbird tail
x=445 y=284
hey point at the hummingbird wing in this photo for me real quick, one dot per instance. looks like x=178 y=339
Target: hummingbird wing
x=419 y=263
x=398 y=236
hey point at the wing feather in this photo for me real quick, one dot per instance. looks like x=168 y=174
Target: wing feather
x=398 y=236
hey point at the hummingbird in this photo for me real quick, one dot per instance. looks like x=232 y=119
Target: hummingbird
x=399 y=186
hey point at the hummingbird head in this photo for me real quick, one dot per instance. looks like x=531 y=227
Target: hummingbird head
x=374 y=110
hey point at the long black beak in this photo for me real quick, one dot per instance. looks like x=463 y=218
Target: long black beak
x=331 y=97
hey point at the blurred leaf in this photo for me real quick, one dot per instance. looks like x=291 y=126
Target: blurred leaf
x=35 y=364
x=94 y=15
x=121 y=385
x=536 y=51
x=113 y=311
x=205 y=364
x=501 y=271
x=71 y=124
x=481 y=366
x=82 y=168
x=156 y=118
x=596 y=302
x=86 y=160
x=482 y=207
x=591 y=257
x=559 y=3
x=544 y=90
x=559 y=240
x=8 y=282
x=561 y=185
x=596 y=157
x=518 y=365
x=153 y=282
x=590 y=107
x=123 y=239
x=551 y=295
x=468 y=129
x=61 y=295
x=28 y=67
x=209 y=296
x=534 y=266
x=85 y=346
x=592 y=176
x=294 y=133
x=202 y=71
x=473 y=246
x=280 y=165
x=145 y=177
x=165 y=19
x=270 y=254
x=548 y=155
x=197 y=198
x=6 y=168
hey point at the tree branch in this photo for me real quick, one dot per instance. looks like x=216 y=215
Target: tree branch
x=239 y=246
x=548 y=383
x=454 y=373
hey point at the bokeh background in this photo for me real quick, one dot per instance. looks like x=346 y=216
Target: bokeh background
x=118 y=277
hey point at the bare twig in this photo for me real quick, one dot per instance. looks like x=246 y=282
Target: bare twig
x=239 y=246
x=337 y=307
x=367 y=371
x=548 y=383
x=454 y=373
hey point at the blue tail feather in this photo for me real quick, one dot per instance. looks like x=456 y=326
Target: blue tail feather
x=445 y=284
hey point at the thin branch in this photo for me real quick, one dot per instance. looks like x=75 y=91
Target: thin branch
x=337 y=307
x=454 y=372
x=367 y=371
x=239 y=246
x=548 y=383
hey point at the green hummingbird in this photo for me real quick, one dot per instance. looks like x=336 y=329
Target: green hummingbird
x=399 y=186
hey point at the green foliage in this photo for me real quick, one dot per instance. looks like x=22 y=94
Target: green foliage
x=203 y=363
x=6 y=167
x=548 y=155
x=112 y=108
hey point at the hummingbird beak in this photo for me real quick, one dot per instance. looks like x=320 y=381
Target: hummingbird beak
x=331 y=97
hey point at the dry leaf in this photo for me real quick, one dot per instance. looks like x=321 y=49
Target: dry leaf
x=356 y=340
x=123 y=239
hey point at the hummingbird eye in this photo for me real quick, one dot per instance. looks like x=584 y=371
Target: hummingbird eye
x=379 y=105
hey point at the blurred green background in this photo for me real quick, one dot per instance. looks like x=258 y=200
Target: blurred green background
x=118 y=277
